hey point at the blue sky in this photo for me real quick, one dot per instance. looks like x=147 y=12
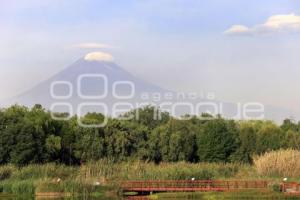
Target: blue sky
x=152 y=38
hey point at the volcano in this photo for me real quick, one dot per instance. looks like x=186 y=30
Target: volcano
x=95 y=83
x=89 y=82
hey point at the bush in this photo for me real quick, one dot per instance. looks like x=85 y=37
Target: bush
x=281 y=163
x=276 y=187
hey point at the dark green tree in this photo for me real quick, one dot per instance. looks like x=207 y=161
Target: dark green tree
x=217 y=141
x=247 y=143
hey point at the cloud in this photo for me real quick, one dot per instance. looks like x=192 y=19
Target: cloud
x=92 y=46
x=237 y=29
x=274 y=24
x=99 y=56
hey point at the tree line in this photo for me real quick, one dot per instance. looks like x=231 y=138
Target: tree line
x=31 y=135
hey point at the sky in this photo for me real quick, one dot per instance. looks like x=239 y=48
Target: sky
x=240 y=50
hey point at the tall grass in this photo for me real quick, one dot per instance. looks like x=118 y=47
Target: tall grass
x=165 y=171
x=97 y=176
x=18 y=187
x=281 y=163
x=44 y=171
x=177 y=171
x=6 y=171
x=103 y=169
x=32 y=178
x=23 y=187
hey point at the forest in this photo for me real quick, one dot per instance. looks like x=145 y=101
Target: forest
x=32 y=136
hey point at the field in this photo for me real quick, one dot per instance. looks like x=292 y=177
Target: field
x=103 y=177
x=97 y=178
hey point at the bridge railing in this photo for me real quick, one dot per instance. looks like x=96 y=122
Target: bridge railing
x=290 y=187
x=199 y=184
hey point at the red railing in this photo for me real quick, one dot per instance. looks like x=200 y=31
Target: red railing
x=291 y=187
x=189 y=185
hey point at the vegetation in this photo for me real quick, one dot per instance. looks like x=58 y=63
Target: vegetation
x=282 y=163
x=99 y=177
x=32 y=136
x=39 y=154
x=103 y=175
x=47 y=178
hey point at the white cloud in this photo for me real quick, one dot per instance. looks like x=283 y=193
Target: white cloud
x=238 y=29
x=99 y=56
x=92 y=46
x=274 y=24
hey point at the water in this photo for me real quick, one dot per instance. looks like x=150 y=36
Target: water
x=55 y=198
x=177 y=196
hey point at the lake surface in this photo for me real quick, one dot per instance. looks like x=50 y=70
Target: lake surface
x=177 y=196
x=55 y=198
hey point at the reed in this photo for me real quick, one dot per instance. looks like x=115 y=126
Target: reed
x=100 y=176
x=165 y=171
x=44 y=171
x=281 y=163
x=6 y=171
x=25 y=187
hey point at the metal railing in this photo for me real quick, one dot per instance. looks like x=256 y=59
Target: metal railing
x=191 y=185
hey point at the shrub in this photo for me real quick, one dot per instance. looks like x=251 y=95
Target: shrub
x=276 y=187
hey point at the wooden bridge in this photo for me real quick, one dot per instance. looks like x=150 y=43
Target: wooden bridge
x=292 y=188
x=190 y=185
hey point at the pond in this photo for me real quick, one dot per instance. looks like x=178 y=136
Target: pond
x=249 y=195
x=56 y=198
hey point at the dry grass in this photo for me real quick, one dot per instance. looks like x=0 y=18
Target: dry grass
x=281 y=163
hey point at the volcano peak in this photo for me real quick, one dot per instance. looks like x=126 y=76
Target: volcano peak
x=99 y=56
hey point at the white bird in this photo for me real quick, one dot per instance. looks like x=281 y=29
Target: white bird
x=285 y=179
x=193 y=179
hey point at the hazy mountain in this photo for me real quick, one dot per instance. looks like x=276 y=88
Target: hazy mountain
x=72 y=89
x=95 y=78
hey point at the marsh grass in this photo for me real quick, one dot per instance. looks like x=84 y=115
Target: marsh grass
x=100 y=176
x=6 y=171
x=18 y=187
x=103 y=170
x=44 y=171
x=281 y=163
x=178 y=171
